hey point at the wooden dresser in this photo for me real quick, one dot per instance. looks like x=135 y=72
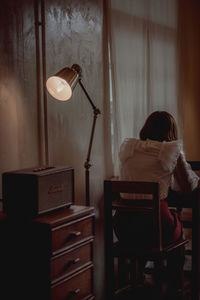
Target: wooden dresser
x=53 y=253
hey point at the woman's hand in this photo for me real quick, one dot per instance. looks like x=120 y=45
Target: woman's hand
x=185 y=176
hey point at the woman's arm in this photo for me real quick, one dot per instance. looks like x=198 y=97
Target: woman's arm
x=185 y=179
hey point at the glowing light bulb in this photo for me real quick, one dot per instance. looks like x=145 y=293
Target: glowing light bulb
x=59 y=88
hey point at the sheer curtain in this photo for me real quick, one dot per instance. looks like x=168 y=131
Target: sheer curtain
x=143 y=65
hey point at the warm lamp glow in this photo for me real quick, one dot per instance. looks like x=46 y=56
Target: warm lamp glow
x=59 y=88
x=60 y=85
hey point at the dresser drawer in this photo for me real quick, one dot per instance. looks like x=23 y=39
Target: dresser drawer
x=75 y=288
x=64 y=264
x=67 y=235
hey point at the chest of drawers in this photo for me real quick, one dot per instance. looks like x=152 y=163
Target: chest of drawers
x=54 y=254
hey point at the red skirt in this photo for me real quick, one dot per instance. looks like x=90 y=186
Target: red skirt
x=171 y=224
x=131 y=228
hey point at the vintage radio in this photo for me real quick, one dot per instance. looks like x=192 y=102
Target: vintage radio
x=35 y=191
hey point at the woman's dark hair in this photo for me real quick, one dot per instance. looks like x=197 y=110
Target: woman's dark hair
x=159 y=126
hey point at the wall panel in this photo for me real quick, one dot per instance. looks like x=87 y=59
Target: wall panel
x=18 y=101
x=189 y=34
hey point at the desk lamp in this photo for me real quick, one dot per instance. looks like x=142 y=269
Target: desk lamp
x=61 y=86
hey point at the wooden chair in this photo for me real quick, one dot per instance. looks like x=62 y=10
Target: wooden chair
x=150 y=247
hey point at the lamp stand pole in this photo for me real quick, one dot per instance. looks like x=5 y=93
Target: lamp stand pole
x=87 y=164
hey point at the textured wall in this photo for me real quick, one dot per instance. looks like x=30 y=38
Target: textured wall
x=189 y=33
x=18 y=101
x=34 y=128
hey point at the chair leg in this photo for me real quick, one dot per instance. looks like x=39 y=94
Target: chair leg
x=133 y=272
x=123 y=272
x=110 y=279
x=158 y=277
x=139 y=271
x=130 y=272
x=175 y=263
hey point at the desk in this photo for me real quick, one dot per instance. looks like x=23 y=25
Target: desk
x=191 y=201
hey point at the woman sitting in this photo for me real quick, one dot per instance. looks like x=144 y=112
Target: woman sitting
x=156 y=157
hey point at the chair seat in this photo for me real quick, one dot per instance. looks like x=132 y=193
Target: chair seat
x=120 y=250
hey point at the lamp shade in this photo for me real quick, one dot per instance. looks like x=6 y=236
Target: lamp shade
x=60 y=85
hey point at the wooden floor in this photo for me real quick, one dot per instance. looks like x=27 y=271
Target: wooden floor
x=149 y=291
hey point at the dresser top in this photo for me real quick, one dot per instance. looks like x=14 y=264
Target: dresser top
x=65 y=215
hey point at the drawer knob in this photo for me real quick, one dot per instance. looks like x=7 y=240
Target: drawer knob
x=72 y=262
x=76 y=260
x=73 y=293
x=73 y=235
x=76 y=233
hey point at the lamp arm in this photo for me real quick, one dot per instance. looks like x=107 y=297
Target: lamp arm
x=87 y=164
x=88 y=97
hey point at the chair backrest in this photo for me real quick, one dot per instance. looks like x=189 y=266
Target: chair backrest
x=144 y=203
